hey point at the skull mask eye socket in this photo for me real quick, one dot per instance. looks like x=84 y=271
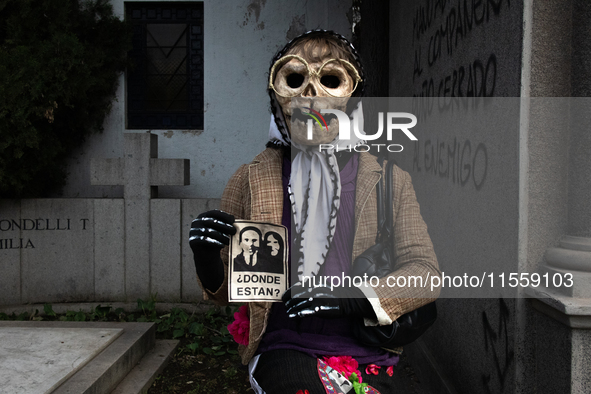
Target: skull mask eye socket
x=295 y=80
x=330 y=81
x=338 y=78
x=289 y=76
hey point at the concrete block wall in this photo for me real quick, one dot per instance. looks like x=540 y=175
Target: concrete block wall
x=75 y=250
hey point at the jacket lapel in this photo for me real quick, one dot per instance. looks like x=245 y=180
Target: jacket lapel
x=368 y=175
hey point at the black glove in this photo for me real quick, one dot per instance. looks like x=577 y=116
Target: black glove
x=322 y=302
x=210 y=232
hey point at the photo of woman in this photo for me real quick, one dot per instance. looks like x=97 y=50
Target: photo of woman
x=272 y=253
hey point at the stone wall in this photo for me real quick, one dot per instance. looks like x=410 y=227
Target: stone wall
x=455 y=48
x=465 y=171
x=72 y=250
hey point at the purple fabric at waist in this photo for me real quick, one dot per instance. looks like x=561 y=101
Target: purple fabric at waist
x=319 y=337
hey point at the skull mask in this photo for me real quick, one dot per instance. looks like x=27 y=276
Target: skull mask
x=316 y=73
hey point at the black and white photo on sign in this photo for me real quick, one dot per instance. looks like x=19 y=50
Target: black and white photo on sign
x=258 y=262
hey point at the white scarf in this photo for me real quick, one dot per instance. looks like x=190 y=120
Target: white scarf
x=315 y=191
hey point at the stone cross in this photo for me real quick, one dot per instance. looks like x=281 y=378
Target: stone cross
x=140 y=172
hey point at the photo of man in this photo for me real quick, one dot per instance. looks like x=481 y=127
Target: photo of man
x=250 y=241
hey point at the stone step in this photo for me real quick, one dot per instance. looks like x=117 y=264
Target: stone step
x=139 y=380
x=70 y=357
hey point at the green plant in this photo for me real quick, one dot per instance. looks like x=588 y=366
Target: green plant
x=59 y=67
x=48 y=310
x=100 y=313
x=221 y=340
x=74 y=316
x=148 y=309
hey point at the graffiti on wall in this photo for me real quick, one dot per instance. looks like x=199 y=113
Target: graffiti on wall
x=497 y=348
x=461 y=162
x=440 y=28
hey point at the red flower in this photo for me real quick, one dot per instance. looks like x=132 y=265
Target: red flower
x=390 y=370
x=241 y=326
x=346 y=365
x=303 y=392
x=372 y=369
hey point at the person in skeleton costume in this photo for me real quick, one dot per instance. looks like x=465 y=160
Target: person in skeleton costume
x=330 y=199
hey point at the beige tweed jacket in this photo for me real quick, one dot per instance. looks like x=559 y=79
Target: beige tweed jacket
x=255 y=192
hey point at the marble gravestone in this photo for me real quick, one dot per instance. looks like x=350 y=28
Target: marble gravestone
x=41 y=357
x=38 y=360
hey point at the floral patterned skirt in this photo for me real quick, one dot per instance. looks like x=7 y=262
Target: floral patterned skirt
x=293 y=372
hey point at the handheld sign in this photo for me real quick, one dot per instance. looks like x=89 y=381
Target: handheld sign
x=258 y=262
